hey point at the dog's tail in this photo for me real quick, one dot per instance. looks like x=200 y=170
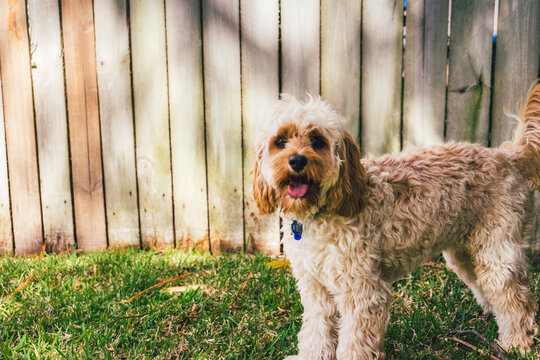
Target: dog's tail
x=527 y=138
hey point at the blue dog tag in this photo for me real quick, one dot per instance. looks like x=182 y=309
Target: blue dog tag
x=297 y=230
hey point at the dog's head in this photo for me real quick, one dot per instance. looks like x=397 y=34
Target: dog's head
x=307 y=161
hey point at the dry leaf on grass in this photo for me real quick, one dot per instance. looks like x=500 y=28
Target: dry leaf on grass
x=471 y=346
x=496 y=348
x=158 y=285
x=26 y=281
x=179 y=289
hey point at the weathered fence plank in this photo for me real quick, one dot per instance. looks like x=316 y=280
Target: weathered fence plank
x=223 y=123
x=51 y=124
x=536 y=234
x=186 y=98
x=260 y=89
x=382 y=49
x=20 y=131
x=425 y=72
x=117 y=136
x=152 y=122
x=6 y=238
x=340 y=59
x=516 y=62
x=469 y=78
x=300 y=39
x=83 y=117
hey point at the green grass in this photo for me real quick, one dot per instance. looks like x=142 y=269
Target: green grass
x=72 y=309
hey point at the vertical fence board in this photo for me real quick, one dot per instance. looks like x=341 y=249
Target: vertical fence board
x=113 y=72
x=425 y=72
x=6 y=239
x=187 y=123
x=260 y=89
x=340 y=59
x=516 y=62
x=223 y=122
x=469 y=79
x=300 y=38
x=536 y=235
x=20 y=131
x=382 y=47
x=83 y=119
x=51 y=124
x=152 y=122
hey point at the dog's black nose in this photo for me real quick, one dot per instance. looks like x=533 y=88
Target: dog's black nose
x=297 y=162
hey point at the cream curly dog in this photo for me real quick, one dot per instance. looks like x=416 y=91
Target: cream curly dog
x=352 y=226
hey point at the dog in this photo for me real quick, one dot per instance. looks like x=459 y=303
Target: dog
x=352 y=225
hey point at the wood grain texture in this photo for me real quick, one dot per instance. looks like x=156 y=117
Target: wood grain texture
x=425 y=73
x=186 y=98
x=83 y=118
x=536 y=236
x=516 y=62
x=223 y=123
x=469 y=79
x=51 y=124
x=260 y=90
x=300 y=39
x=6 y=236
x=114 y=80
x=340 y=59
x=20 y=130
x=152 y=122
x=382 y=45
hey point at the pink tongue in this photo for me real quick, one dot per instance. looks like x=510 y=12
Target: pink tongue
x=297 y=190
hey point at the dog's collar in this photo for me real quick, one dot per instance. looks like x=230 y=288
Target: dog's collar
x=297 y=227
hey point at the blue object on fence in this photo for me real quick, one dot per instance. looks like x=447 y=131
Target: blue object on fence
x=296 y=228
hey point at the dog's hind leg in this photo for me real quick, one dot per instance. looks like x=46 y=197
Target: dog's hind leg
x=460 y=261
x=501 y=271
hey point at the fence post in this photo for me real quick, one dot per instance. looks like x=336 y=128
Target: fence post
x=116 y=113
x=260 y=89
x=83 y=115
x=382 y=54
x=20 y=130
x=340 y=59
x=51 y=124
x=152 y=122
x=223 y=123
x=425 y=72
x=186 y=97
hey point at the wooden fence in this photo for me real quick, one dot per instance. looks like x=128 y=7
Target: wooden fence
x=130 y=122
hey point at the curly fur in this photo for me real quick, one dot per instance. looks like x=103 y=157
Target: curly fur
x=368 y=222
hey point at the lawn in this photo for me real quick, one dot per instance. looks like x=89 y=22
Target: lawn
x=197 y=306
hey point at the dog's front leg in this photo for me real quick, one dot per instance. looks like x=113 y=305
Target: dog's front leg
x=317 y=339
x=365 y=313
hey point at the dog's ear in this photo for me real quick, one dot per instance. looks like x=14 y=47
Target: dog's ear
x=264 y=194
x=346 y=197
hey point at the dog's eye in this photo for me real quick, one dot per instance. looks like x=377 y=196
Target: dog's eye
x=280 y=143
x=317 y=142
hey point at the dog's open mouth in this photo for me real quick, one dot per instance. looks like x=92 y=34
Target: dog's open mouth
x=298 y=187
